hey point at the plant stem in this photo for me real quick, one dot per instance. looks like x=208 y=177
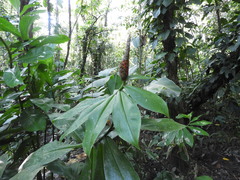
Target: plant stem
x=9 y=53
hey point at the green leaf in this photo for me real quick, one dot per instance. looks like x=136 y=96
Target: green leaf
x=54 y=39
x=136 y=76
x=10 y=98
x=46 y=154
x=28 y=173
x=169 y=137
x=126 y=118
x=97 y=83
x=162 y=125
x=5 y=25
x=198 y=131
x=156 y=12
x=203 y=178
x=115 y=82
x=171 y=56
x=164 y=86
x=195 y=118
x=148 y=100
x=136 y=42
x=188 y=137
x=83 y=110
x=3 y=163
x=187 y=116
x=166 y=3
x=160 y=55
x=26 y=7
x=180 y=41
x=107 y=72
x=62 y=107
x=97 y=159
x=33 y=120
x=96 y=122
x=44 y=103
x=179 y=137
x=165 y=34
x=15 y=4
x=201 y=123
x=12 y=77
x=25 y=24
x=116 y=165
x=36 y=54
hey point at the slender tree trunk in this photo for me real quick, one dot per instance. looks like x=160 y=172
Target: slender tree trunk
x=218 y=17
x=49 y=16
x=56 y=31
x=69 y=34
x=84 y=54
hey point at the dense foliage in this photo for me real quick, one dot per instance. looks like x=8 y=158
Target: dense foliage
x=54 y=103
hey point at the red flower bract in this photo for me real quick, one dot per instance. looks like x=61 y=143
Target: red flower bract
x=123 y=69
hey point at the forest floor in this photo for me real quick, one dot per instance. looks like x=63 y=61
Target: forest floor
x=217 y=156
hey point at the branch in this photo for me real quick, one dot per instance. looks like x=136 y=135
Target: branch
x=127 y=50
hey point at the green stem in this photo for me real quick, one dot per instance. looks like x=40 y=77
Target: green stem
x=9 y=52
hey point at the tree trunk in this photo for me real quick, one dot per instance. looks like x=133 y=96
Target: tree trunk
x=210 y=86
x=69 y=33
x=56 y=31
x=84 y=54
x=169 y=45
x=49 y=16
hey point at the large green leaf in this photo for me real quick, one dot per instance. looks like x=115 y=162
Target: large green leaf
x=126 y=118
x=97 y=83
x=116 y=165
x=47 y=103
x=44 y=103
x=28 y=173
x=163 y=124
x=54 y=39
x=5 y=25
x=96 y=122
x=3 y=163
x=25 y=24
x=97 y=159
x=12 y=77
x=164 y=86
x=83 y=110
x=148 y=100
x=33 y=120
x=115 y=82
x=46 y=154
x=38 y=53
